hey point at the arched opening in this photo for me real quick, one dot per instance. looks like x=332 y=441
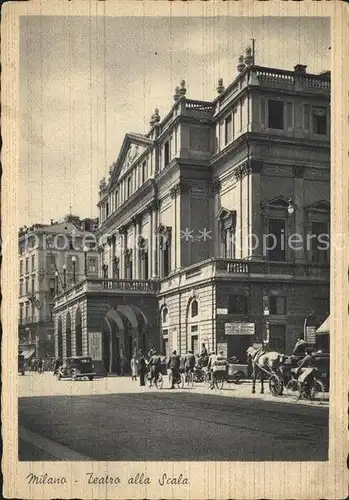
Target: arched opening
x=193 y=333
x=78 y=333
x=165 y=326
x=194 y=308
x=59 y=349
x=68 y=336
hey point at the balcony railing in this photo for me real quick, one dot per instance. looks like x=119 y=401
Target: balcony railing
x=106 y=285
x=272 y=268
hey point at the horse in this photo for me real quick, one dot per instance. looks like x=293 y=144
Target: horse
x=263 y=362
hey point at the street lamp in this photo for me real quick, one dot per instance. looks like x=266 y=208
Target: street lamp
x=56 y=282
x=266 y=313
x=73 y=259
x=85 y=255
x=291 y=207
x=64 y=276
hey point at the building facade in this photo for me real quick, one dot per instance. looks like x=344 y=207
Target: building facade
x=51 y=258
x=214 y=225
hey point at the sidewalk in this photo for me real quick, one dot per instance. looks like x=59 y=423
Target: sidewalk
x=33 y=384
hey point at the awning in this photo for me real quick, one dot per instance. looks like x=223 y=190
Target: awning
x=324 y=328
x=27 y=353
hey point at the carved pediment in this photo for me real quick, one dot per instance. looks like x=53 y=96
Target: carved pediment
x=227 y=218
x=278 y=202
x=132 y=147
x=319 y=206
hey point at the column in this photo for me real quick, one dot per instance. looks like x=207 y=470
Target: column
x=150 y=244
x=135 y=250
x=154 y=252
x=122 y=232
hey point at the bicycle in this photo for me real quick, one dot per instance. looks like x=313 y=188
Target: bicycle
x=216 y=383
x=158 y=381
x=310 y=389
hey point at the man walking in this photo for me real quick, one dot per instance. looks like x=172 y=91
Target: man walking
x=173 y=365
x=142 y=368
x=189 y=362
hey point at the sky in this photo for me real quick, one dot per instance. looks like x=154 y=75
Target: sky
x=85 y=82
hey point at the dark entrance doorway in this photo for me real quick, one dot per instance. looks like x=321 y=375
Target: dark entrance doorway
x=238 y=345
x=110 y=350
x=277 y=337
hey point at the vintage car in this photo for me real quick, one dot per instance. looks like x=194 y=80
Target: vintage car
x=21 y=364
x=77 y=367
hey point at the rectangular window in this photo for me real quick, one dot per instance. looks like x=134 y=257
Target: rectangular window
x=27 y=265
x=20 y=313
x=33 y=263
x=195 y=344
x=228 y=130
x=70 y=263
x=319 y=121
x=52 y=284
x=277 y=305
x=33 y=284
x=235 y=125
x=276 y=240
x=276 y=114
x=321 y=305
x=27 y=286
x=116 y=199
x=21 y=268
x=237 y=304
x=320 y=243
x=166 y=153
x=92 y=265
x=21 y=288
x=27 y=310
x=51 y=262
x=229 y=244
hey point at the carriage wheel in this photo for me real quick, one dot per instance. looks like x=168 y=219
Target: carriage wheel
x=159 y=382
x=275 y=385
x=293 y=389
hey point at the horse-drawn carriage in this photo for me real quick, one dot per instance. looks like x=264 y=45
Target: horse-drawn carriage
x=282 y=373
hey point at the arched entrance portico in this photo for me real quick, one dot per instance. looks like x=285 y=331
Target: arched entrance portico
x=123 y=334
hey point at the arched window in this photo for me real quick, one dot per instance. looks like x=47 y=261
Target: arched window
x=164 y=315
x=194 y=308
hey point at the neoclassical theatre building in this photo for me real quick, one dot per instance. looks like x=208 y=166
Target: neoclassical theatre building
x=211 y=224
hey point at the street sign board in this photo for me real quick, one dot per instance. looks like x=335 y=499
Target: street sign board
x=222 y=310
x=310 y=334
x=239 y=328
x=95 y=345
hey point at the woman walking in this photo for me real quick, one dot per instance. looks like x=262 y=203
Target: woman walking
x=134 y=367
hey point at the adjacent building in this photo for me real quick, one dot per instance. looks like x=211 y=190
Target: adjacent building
x=214 y=224
x=51 y=258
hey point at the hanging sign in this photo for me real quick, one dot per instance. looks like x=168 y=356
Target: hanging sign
x=239 y=328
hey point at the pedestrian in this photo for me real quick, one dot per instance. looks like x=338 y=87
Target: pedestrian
x=123 y=365
x=155 y=367
x=174 y=364
x=142 y=368
x=189 y=362
x=39 y=365
x=134 y=367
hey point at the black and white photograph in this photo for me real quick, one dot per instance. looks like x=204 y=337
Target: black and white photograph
x=174 y=243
